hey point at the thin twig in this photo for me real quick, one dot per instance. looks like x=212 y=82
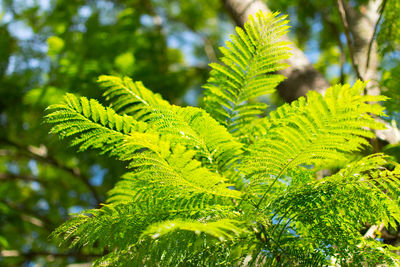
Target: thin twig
x=30 y=216
x=13 y=177
x=52 y=161
x=276 y=179
x=32 y=254
x=327 y=17
x=343 y=18
x=208 y=48
x=374 y=33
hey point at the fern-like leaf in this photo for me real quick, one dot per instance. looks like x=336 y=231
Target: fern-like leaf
x=247 y=72
x=90 y=124
x=191 y=126
x=93 y=126
x=316 y=131
x=129 y=97
x=227 y=187
x=331 y=210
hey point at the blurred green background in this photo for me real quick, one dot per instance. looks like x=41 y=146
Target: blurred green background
x=50 y=47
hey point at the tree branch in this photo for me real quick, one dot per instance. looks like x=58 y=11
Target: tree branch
x=361 y=24
x=32 y=254
x=371 y=231
x=41 y=154
x=328 y=20
x=374 y=33
x=13 y=177
x=344 y=19
x=30 y=216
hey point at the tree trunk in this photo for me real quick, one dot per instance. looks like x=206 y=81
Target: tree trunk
x=362 y=25
x=301 y=75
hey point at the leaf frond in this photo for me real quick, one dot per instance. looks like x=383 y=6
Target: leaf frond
x=247 y=71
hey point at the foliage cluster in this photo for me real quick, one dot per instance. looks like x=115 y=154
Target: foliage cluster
x=49 y=48
x=225 y=186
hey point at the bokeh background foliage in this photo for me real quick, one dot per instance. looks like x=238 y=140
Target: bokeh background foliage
x=50 y=47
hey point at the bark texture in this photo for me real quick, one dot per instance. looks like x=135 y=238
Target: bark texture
x=301 y=75
x=361 y=25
